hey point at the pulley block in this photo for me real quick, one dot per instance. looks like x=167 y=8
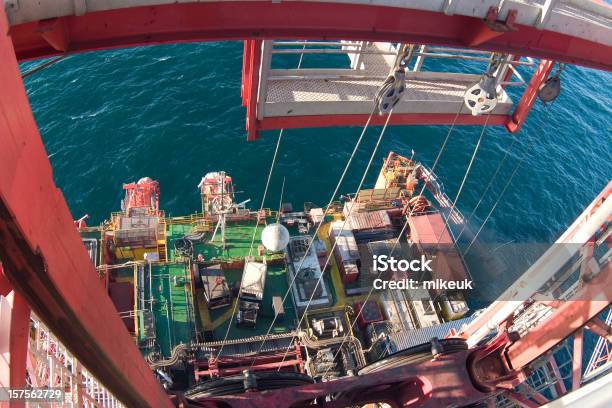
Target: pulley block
x=481 y=97
x=550 y=89
x=391 y=92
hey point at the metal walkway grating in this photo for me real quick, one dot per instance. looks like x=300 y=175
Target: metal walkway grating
x=426 y=93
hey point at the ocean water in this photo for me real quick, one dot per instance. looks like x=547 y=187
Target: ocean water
x=173 y=113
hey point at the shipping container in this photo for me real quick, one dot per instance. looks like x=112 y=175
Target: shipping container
x=432 y=239
x=253 y=280
x=349 y=271
x=369 y=220
x=304 y=275
x=346 y=246
x=422 y=307
x=396 y=309
x=212 y=279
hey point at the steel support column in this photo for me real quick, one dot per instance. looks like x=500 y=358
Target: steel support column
x=254 y=67
x=44 y=258
x=14 y=328
x=577 y=359
x=570 y=317
x=529 y=96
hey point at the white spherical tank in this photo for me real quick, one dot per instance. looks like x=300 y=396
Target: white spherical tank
x=275 y=237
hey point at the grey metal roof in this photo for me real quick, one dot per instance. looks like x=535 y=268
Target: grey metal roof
x=403 y=340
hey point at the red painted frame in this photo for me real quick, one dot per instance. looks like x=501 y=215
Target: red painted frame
x=236 y=20
x=44 y=258
x=251 y=94
x=45 y=261
x=569 y=317
x=530 y=95
x=17 y=326
x=289 y=122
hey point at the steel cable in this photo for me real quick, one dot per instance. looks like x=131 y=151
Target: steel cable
x=403 y=230
x=514 y=171
x=263 y=200
x=352 y=203
x=489 y=185
x=329 y=204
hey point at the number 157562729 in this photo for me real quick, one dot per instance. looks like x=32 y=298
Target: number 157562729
x=32 y=394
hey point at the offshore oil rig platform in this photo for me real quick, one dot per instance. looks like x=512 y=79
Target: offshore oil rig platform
x=242 y=306
x=230 y=289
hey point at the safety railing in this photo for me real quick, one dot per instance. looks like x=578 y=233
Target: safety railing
x=600 y=362
x=357 y=53
x=51 y=365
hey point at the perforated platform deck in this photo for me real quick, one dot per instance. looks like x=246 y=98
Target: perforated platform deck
x=427 y=92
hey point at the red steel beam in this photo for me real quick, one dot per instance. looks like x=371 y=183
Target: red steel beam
x=529 y=97
x=5 y=285
x=44 y=258
x=290 y=122
x=252 y=88
x=554 y=367
x=223 y=372
x=521 y=400
x=15 y=325
x=600 y=328
x=237 y=20
x=577 y=359
x=246 y=57
x=571 y=316
x=535 y=395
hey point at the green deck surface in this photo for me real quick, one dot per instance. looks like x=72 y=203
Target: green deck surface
x=173 y=308
x=238 y=246
x=276 y=285
x=180 y=315
x=238 y=238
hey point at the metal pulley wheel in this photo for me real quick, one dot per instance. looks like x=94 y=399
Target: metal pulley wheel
x=550 y=89
x=391 y=92
x=481 y=97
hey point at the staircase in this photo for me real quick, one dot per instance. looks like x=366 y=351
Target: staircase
x=162 y=249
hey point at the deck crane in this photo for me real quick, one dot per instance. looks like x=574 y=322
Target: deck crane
x=495 y=359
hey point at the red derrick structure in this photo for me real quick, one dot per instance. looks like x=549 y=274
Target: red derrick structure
x=37 y=230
